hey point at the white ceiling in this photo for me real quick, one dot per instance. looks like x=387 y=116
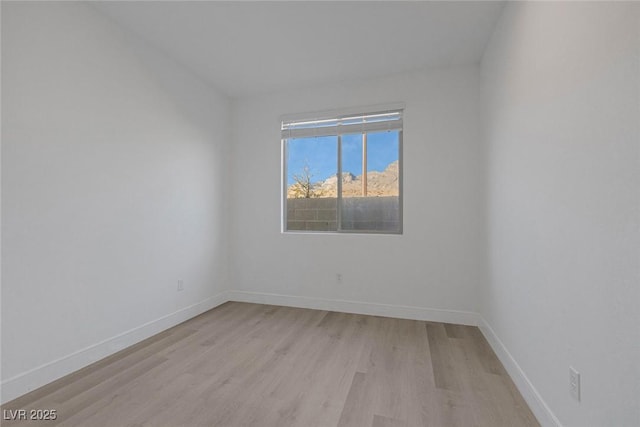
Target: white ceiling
x=245 y=48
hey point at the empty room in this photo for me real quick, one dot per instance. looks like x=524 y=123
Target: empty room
x=367 y=213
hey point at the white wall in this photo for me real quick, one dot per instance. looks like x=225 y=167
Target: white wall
x=114 y=164
x=436 y=264
x=561 y=96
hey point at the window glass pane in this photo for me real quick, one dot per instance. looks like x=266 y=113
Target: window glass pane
x=351 y=165
x=370 y=201
x=311 y=183
x=383 y=150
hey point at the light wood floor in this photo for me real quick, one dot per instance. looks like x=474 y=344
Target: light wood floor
x=259 y=365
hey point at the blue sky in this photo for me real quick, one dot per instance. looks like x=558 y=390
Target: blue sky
x=320 y=153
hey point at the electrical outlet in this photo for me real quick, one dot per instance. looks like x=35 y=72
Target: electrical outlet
x=574 y=383
x=338 y=277
x=180 y=285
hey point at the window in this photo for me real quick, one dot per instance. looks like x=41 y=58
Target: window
x=343 y=173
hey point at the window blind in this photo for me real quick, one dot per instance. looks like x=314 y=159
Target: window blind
x=340 y=125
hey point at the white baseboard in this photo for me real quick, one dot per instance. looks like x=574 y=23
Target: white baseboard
x=357 y=307
x=537 y=404
x=44 y=374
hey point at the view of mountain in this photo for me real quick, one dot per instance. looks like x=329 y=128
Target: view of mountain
x=383 y=183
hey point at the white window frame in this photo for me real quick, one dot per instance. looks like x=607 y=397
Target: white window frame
x=295 y=126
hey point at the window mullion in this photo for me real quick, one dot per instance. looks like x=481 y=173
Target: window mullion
x=364 y=164
x=339 y=187
x=285 y=169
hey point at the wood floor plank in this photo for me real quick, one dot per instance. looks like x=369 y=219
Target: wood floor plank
x=487 y=357
x=258 y=365
x=391 y=370
x=324 y=401
x=358 y=408
x=455 y=331
x=380 y=421
x=451 y=409
x=444 y=371
x=420 y=378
